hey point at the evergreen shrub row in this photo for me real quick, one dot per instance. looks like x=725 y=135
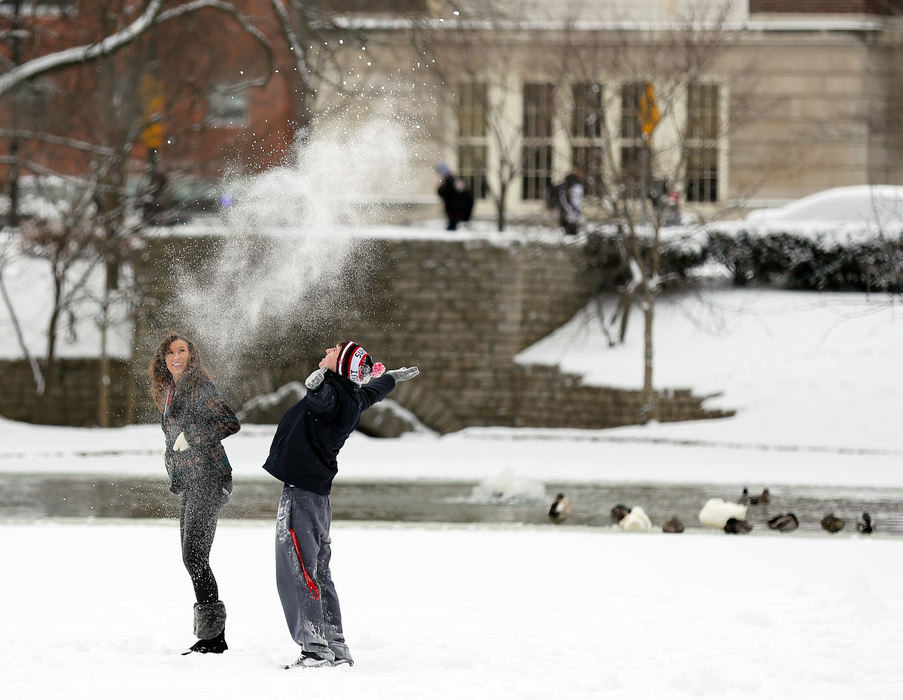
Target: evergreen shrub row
x=782 y=260
x=802 y=262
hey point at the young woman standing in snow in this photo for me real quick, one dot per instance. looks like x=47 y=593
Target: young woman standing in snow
x=195 y=419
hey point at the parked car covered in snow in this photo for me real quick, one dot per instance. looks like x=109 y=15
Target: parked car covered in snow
x=878 y=207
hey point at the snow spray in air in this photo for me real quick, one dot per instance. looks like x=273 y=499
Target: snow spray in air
x=290 y=234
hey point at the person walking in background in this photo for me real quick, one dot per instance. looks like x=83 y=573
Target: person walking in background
x=570 y=201
x=456 y=197
x=195 y=419
x=303 y=456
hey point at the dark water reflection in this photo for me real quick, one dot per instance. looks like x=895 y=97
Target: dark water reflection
x=42 y=496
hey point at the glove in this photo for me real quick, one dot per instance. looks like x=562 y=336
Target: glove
x=181 y=444
x=315 y=380
x=403 y=373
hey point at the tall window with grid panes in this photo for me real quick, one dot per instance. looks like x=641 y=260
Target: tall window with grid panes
x=536 y=156
x=631 y=139
x=703 y=132
x=472 y=140
x=587 y=129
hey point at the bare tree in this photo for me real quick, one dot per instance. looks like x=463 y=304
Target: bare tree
x=63 y=241
x=105 y=117
x=9 y=250
x=126 y=84
x=664 y=127
x=476 y=69
x=320 y=50
x=151 y=16
x=636 y=105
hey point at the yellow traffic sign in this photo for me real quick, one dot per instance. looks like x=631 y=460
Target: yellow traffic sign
x=648 y=111
x=152 y=100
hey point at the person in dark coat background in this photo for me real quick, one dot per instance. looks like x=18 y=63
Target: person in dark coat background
x=195 y=419
x=570 y=201
x=303 y=455
x=456 y=197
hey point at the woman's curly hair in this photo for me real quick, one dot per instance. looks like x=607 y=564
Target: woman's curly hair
x=160 y=375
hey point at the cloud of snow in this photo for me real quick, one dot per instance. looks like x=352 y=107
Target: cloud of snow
x=290 y=234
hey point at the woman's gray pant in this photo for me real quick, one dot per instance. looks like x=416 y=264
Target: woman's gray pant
x=303 y=578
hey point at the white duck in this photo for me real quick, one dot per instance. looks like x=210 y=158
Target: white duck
x=716 y=511
x=635 y=521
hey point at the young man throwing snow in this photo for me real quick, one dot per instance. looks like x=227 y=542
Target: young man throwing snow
x=303 y=456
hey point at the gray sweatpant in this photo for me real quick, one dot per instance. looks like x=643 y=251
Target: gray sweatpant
x=303 y=578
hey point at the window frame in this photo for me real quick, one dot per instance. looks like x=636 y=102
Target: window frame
x=537 y=149
x=702 y=171
x=587 y=134
x=471 y=140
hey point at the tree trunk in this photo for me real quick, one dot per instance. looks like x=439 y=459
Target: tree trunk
x=103 y=394
x=650 y=404
x=42 y=414
x=500 y=206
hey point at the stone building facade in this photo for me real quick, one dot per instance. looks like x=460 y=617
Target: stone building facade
x=757 y=102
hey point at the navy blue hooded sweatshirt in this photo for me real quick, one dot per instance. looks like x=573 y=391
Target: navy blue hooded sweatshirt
x=311 y=433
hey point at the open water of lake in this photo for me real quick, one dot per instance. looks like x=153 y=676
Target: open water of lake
x=30 y=497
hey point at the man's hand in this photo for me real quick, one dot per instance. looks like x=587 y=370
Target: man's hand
x=181 y=444
x=315 y=380
x=402 y=374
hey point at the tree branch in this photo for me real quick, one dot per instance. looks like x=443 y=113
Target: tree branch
x=80 y=54
x=151 y=17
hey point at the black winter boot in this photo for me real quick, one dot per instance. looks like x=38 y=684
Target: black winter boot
x=216 y=645
x=209 y=628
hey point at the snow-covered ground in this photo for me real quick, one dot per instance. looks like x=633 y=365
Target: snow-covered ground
x=100 y=609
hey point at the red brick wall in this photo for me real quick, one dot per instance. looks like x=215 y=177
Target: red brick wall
x=191 y=55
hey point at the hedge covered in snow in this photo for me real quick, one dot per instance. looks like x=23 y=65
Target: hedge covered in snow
x=840 y=260
x=805 y=262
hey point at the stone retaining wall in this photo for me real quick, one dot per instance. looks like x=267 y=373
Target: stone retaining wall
x=74 y=396
x=459 y=309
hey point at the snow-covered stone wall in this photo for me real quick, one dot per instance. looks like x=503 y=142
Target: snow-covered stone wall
x=459 y=308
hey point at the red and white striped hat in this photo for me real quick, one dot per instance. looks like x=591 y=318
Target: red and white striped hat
x=354 y=363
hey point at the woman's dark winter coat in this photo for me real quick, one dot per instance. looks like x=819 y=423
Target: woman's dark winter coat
x=197 y=410
x=457 y=199
x=307 y=442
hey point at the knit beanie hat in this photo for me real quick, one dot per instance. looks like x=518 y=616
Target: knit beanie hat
x=355 y=363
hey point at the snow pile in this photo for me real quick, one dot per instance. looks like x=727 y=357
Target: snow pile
x=505 y=487
x=800 y=368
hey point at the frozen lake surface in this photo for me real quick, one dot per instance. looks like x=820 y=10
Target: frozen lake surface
x=27 y=497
